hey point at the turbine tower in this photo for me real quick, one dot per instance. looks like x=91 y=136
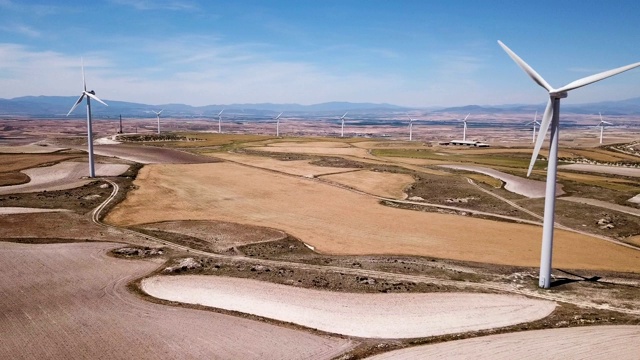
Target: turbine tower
x=601 y=124
x=277 y=119
x=534 y=122
x=90 y=95
x=551 y=119
x=158 y=116
x=342 y=128
x=410 y=127
x=464 y=131
x=220 y=121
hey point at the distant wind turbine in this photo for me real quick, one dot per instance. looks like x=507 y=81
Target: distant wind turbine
x=602 y=124
x=220 y=121
x=342 y=127
x=410 y=127
x=464 y=131
x=551 y=119
x=158 y=116
x=534 y=122
x=277 y=119
x=90 y=95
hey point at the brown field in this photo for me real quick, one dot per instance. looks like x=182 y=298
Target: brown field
x=293 y=167
x=592 y=342
x=311 y=144
x=338 y=221
x=60 y=225
x=150 y=155
x=218 y=236
x=17 y=162
x=36 y=148
x=70 y=301
x=297 y=149
x=383 y=184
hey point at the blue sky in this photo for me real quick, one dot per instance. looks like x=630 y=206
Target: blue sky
x=414 y=52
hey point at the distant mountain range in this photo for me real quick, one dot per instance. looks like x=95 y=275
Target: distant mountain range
x=58 y=106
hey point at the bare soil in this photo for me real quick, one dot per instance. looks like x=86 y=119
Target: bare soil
x=593 y=342
x=64 y=301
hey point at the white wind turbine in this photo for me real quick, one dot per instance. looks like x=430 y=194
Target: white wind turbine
x=90 y=95
x=602 y=124
x=342 y=128
x=158 y=116
x=277 y=119
x=220 y=121
x=534 y=122
x=464 y=131
x=551 y=119
x=410 y=127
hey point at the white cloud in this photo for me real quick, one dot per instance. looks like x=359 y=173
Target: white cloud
x=172 y=5
x=21 y=29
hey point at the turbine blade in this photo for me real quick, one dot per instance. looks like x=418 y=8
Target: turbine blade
x=606 y=122
x=600 y=116
x=465 y=118
x=528 y=69
x=84 y=82
x=95 y=98
x=220 y=113
x=160 y=112
x=278 y=117
x=345 y=114
x=542 y=132
x=597 y=77
x=76 y=104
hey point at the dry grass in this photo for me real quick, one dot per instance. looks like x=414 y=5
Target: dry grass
x=293 y=167
x=486 y=179
x=603 y=155
x=608 y=182
x=338 y=221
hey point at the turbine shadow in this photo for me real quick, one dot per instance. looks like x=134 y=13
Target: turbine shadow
x=565 y=280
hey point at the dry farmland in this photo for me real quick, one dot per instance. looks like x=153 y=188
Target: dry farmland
x=248 y=246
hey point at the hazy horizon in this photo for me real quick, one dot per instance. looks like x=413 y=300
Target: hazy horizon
x=406 y=53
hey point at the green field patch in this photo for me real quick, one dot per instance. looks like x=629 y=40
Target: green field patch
x=511 y=160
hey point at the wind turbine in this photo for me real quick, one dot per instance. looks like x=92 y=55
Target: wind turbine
x=90 y=95
x=158 y=116
x=534 y=122
x=220 y=121
x=601 y=124
x=410 y=127
x=551 y=119
x=277 y=119
x=342 y=128
x=464 y=131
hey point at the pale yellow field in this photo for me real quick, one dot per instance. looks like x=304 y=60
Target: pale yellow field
x=388 y=185
x=339 y=221
x=293 y=167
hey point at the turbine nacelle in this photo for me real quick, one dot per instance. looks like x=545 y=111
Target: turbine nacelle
x=558 y=95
